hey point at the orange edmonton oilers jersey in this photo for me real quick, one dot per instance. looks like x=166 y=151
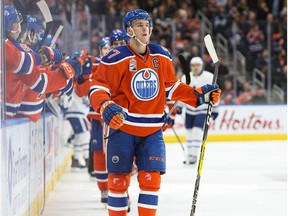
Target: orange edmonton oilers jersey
x=140 y=84
x=22 y=73
x=32 y=104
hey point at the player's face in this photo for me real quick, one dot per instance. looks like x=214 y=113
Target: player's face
x=118 y=43
x=141 y=29
x=16 y=27
x=196 y=68
x=105 y=50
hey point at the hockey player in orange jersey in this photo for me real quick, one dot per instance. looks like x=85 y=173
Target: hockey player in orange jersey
x=21 y=70
x=129 y=90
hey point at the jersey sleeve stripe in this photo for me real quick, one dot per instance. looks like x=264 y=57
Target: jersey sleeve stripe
x=41 y=84
x=26 y=64
x=170 y=91
x=31 y=109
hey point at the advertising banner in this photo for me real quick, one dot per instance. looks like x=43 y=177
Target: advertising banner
x=245 y=122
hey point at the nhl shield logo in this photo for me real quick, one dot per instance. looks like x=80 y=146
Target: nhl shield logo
x=145 y=84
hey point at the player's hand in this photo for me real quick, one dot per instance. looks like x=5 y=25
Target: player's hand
x=170 y=121
x=86 y=68
x=112 y=114
x=179 y=110
x=49 y=55
x=207 y=92
x=71 y=67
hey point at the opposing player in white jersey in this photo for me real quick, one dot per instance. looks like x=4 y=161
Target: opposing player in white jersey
x=195 y=117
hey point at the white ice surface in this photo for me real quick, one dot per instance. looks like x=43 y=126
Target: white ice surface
x=239 y=179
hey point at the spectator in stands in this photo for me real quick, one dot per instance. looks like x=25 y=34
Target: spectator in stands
x=261 y=62
x=243 y=7
x=195 y=51
x=259 y=97
x=228 y=93
x=279 y=62
x=192 y=26
x=171 y=7
x=162 y=26
x=246 y=95
x=262 y=10
x=179 y=43
x=280 y=78
x=220 y=21
x=255 y=39
x=278 y=40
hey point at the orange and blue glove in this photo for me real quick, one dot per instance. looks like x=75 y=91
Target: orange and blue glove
x=71 y=67
x=112 y=114
x=207 y=92
x=49 y=55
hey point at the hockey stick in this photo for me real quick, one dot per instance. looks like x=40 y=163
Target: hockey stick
x=58 y=32
x=211 y=50
x=43 y=7
x=186 y=71
x=179 y=140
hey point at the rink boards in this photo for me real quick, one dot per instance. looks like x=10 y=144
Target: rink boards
x=240 y=123
x=24 y=184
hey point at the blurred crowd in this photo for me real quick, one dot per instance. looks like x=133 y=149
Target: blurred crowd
x=177 y=27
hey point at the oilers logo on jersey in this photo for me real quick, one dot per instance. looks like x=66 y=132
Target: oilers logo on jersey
x=145 y=84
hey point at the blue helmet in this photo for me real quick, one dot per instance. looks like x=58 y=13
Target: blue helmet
x=34 y=23
x=118 y=35
x=104 y=41
x=11 y=15
x=134 y=15
x=34 y=28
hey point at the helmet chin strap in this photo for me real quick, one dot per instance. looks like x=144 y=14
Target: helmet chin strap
x=135 y=37
x=18 y=29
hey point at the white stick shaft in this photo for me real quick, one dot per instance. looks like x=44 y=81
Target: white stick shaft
x=58 y=32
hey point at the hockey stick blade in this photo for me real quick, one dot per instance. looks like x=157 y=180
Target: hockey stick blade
x=185 y=68
x=186 y=71
x=210 y=47
x=43 y=7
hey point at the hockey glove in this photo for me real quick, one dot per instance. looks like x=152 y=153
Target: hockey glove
x=203 y=94
x=49 y=55
x=86 y=69
x=112 y=114
x=71 y=67
x=169 y=122
x=179 y=110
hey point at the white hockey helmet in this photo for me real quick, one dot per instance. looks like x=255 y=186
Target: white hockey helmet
x=196 y=60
